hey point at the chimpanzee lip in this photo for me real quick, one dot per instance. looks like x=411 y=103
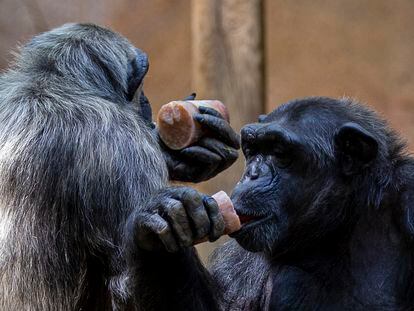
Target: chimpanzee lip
x=257 y=221
x=248 y=215
x=249 y=221
x=245 y=219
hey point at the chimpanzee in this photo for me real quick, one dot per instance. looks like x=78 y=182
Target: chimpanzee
x=79 y=154
x=326 y=202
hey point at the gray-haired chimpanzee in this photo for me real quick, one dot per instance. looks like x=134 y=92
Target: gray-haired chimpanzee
x=78 y=156
x=327 y=206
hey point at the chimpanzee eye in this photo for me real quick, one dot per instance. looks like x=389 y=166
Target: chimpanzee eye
x=282 y=158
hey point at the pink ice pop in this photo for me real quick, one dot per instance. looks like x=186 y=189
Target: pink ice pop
x=176 y=125
x=226 y=208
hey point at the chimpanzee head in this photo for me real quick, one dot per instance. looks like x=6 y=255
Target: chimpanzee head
x=310 y=165
x=96 y=60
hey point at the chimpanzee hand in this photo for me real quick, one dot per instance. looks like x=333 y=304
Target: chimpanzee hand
x=208 y=156
x=174 y=219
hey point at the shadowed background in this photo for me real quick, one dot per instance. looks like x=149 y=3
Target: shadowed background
x=363 y=49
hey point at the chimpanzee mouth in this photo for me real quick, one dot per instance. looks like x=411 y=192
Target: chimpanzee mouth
x=252 y=220
x=245 y=219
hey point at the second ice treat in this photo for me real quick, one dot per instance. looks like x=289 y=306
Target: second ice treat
x=230 y=217
x=176 y=125
x=231 y=220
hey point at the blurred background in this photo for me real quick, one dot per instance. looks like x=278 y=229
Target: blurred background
x=251 y=54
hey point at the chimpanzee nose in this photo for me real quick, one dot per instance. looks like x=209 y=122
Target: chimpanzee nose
x=254 y=175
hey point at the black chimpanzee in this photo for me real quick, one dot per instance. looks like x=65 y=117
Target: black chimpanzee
x=326 y=203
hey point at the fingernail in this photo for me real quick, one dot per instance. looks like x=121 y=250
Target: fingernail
x=211 y=201
x=163 y=230
x=208 y=200
x=213 y=239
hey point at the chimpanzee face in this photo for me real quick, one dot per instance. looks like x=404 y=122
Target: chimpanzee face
x=295 y=188
x=269 y=184
x=137 y=69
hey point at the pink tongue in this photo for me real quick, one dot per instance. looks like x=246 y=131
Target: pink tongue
x=244 y=218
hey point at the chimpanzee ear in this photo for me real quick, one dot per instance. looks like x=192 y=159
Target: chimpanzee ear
x=355 y=147
x=407 y=213
x=262 y=118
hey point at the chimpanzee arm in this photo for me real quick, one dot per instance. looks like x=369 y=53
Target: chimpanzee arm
x=165 y=269
x=178 y=281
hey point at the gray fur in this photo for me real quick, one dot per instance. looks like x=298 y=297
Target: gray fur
x=243 y=277
x=75 y=159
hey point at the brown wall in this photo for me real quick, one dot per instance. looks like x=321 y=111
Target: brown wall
x=363 y=49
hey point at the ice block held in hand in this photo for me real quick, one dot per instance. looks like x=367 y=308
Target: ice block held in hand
x=226 y=208
x=176 y=125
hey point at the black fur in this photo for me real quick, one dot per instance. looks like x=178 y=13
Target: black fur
x=326 y=203
x=332 y=191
